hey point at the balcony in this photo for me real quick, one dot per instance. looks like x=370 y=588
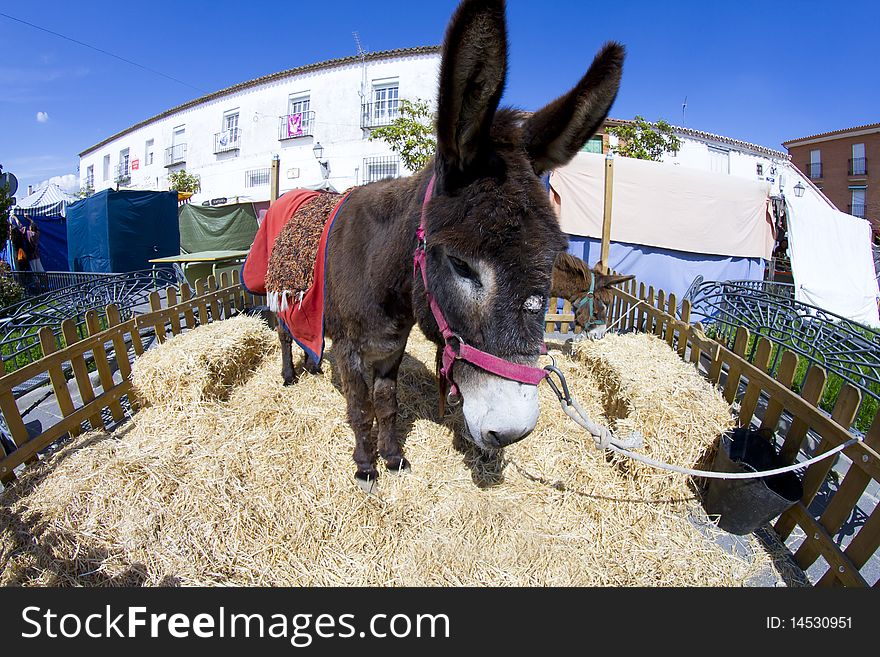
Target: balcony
x=175 y=155
x=122 y=174
x=814 y=169
x=375 y=115
x=227 y=140
x=858 y=166
x=857 y=210
x=293 y=126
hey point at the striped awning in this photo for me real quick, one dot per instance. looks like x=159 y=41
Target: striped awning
x=49 y=201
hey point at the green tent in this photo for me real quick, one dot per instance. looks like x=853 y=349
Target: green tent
x=222 y=228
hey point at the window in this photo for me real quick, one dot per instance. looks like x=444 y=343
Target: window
x=719 y=160
x=858 y=163
x=815 y=164
x=177 y=151
x=257 y=177
x=148 y=153
x=594 y=145
x=299 y=120
x=857 y=207
x=90 y=176
x=379 y=168
x=384 y=104
x=106 y=168
x=386 y=101
x=123 y=170
x=229 y=136
x=760 y=169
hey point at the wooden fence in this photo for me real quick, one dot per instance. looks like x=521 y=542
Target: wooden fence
x=644 y=309
x=107 y=353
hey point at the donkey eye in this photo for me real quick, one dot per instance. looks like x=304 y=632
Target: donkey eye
x=464 y=270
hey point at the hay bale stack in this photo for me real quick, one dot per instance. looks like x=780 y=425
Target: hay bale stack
x=259 y=490
x=203 y=364
x=646 y=387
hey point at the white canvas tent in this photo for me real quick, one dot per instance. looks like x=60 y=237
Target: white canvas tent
x=831 y=259
x=669 y=224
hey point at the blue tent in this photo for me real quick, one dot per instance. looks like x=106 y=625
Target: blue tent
x=48 y=208
x=119 y=231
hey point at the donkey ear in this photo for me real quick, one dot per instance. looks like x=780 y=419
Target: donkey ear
x=554 y=134
x=607 y=280
x=472 y=74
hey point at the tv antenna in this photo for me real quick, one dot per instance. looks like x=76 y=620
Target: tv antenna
x=684 y=112
x=362 y=54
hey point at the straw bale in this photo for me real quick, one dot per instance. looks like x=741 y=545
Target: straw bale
x=203 y=364
x=258 y=489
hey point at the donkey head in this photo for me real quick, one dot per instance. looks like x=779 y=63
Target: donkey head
x=589 y=291
x=492 y=236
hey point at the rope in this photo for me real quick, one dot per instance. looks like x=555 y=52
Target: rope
x=605 y=439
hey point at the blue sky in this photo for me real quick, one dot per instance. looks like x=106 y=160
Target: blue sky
x=758 y=71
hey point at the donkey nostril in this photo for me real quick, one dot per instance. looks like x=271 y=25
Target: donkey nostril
x=505 y=438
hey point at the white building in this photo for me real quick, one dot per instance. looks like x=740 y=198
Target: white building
x=710 y=152
x=230 y=137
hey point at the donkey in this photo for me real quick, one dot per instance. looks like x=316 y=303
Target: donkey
x=588 y=290
x=485 y=238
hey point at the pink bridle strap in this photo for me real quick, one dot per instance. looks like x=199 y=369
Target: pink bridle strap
x=456 y=348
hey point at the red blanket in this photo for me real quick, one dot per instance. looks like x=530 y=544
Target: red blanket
x=302 y=318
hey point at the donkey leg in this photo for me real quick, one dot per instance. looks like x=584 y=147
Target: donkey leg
x=288 y=373
x=360 y=415
x=385 y=406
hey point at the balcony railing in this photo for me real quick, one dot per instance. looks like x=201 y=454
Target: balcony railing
x=175 y=154
x=299 y=124
x=374 y=115
x=379 y=168
x=122 y=174
x=815 y=170
x=227 y=140
x=857 y=210
x=858 y=166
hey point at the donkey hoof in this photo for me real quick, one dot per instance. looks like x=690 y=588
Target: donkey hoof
x=399 y=466
x=367 y=481
x=289 y=379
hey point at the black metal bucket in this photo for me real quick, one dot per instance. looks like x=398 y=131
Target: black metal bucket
x=743 y=505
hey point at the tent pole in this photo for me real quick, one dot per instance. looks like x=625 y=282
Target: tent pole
x=606 y=219
x=274 y=178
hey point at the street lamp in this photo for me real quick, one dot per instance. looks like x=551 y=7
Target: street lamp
x=799 y=189
x=318 y=151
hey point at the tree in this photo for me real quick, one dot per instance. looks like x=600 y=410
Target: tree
x=643 y=140
x=411 y=134
x=182 y=181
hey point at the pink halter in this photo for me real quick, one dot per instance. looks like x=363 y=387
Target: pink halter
x=456 y=348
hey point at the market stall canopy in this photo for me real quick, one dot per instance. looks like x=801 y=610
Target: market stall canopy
x=831 y=258
x=666 y=206
x=221 y=228
x=119 y=231
x=48 y=208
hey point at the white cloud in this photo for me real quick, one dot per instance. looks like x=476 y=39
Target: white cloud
x=42 y=117
x=68 y=182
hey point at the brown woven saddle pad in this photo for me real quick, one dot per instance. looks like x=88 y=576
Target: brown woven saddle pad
x=292 y=260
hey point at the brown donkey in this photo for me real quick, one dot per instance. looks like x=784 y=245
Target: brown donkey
x=489 y=243
x=588 y=290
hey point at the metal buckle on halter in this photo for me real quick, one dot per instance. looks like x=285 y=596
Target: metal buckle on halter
x=456 y=348
x=564 y=395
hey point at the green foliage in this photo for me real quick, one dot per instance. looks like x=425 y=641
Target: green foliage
x=182 y=181
x=10 y=291
x=85 y=192
x=411 y=134
x=643 y=140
